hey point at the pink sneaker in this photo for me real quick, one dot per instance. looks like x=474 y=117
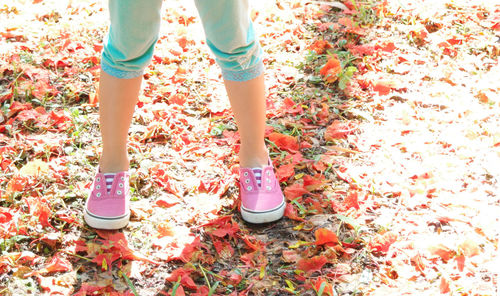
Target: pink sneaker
x=108 y=209
x=264 y=203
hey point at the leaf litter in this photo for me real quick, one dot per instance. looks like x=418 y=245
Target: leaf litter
x=382 y=125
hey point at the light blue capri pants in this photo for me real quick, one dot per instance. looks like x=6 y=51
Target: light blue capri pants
x=135 y=24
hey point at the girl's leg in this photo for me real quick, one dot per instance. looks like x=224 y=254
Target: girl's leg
x=127 y=51
x=249 y=107
x=231 y=38
x=118 y=98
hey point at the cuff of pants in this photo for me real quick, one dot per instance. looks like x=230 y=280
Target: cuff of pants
x=120 y=73
x=243 y=75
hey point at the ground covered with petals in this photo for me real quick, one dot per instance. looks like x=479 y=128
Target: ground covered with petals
x=382 y=125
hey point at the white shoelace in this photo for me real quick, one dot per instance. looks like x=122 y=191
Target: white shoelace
x=109 y=180
x=258 y=175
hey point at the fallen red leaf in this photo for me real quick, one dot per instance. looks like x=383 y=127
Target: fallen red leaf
x=351 y=201
x=61 y=119
x=182 y=42
x=362 y=50
x=323 y=115
x=338 y=130
x=284 y=172
x=442 y=251
x=223 y=226
x=166 y=202
x=419 y=36
x=460 y=262
x=98 y=47
x=183 y=275
x=27 y=115
x=119 y=246
x=310 y=265
x=328 y=288
x=342 y=174
x=87 y=289
x=39 y=209
x=469 y=248
x=381 y=243
x=175 y=52
x=325 y=237
x=58 y=264
x=235 y=279
x=483 y=98
x=315 y=182
x=345 y=21
x=295 y=190
x=331 y=69
x=17 y=107
x=165 y=229
x=382 y=88
x=284 y=142
x=320 y=46
x=178 y=292
x=247 y=258
x=223 y=248
x=388 y=47
x=291 y=213
x=253 y=243
x=228 y=229
x=290 y=107
x=418 y=263
x=444 y=286
x=5 y=215
x=178 y=99
x=105 y=260
x=189 y=249
x=349 y=4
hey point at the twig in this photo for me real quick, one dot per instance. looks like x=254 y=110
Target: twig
x=76 y=255
x=205 y=276
x=129 y=282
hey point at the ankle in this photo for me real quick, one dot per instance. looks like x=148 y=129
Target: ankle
x=113 y=165
x=253 y=158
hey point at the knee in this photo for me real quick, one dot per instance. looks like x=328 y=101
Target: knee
x=132 y=35
x=125 y=59
x=126 y=47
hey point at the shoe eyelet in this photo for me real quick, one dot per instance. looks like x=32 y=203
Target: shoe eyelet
x=268 y=180
x=98 y=194
x=247 y=181
x=245 y=174
x=98 y=187
x=268 y=187
x=119 y=192
x=121 y=185
x=268 y=173
x=123 y=179
x=249 y=188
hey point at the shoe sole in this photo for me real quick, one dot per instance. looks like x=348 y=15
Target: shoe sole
x=106 y=223
x=263 y=217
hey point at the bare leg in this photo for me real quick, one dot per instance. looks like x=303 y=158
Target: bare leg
x=117 y=100
x=248 y=103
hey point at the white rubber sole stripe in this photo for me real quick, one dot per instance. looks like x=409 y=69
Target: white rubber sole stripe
x=106 y=223
x=263 y=217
